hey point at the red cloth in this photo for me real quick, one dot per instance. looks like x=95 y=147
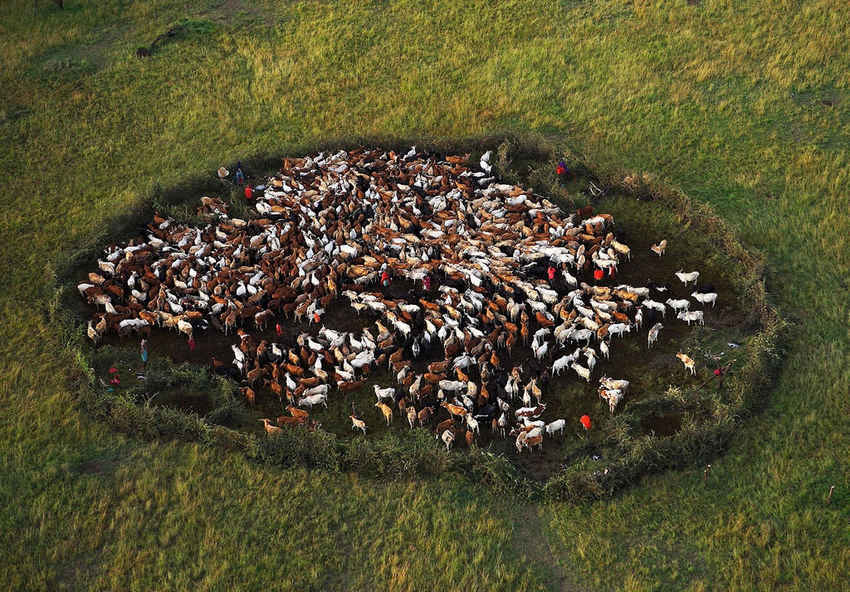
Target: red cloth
x=278 y=329
x=191 y=344
x=598 y=274
x=427 y=282
x=249 y=193
x=560 y=170
x=585 y=421
x=551 y=272
x=385 y=278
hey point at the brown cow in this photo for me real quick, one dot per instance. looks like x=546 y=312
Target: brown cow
x=271 y=429
x=444 y=425
x=386 y=410
x=296 y=412
x=249 y=394
x=285 y=420
x=351 y=385
x=454 y=410
x=438 y=367
x=424 y=415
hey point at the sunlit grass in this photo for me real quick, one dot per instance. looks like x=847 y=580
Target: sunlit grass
x=743 y=105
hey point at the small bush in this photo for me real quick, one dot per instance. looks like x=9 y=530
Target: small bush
x=173 y=423
x=131 y=419
x=227 y=414
x=393 y=457
x=231 y=440
x=495 y=471
x=299 y=446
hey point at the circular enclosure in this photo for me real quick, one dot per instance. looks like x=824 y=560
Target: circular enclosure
x=380 y=308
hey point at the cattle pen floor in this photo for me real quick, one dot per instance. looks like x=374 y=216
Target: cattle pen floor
x=651 y=372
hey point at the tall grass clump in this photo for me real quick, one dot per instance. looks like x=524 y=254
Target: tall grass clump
x=396 y=457
x=298 y=446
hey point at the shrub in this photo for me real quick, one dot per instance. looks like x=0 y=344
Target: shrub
x=228 y=413
x=230 y=439
x=299 y=446
x=495 y=471
x=393 y=457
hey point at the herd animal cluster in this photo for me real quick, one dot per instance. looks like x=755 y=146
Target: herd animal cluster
x=487 y=268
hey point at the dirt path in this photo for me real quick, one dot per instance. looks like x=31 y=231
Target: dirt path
x=530 y=537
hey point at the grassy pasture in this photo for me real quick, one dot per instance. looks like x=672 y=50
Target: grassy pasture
x=744 y=107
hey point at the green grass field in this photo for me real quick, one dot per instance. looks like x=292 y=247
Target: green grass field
x=745 y=107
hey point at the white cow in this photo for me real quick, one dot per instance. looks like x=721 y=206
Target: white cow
x=560 y=364
x=618 y=329
x=705 y=298
x=656 y=306
x=313 y=400
x=581 y=371
x=448 y=438
x=678 y=305
x=693 y=316
x=652 y=337
x=687 y=278
x=384 y=393
x=556 y=426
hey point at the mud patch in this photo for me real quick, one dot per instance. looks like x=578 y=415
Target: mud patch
x=662 y=425
x=96 y=467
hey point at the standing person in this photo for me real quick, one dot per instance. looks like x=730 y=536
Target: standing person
x=385 y=276
x=551 y=273
x=426 y=281
x=240 y=174
x=143 y=351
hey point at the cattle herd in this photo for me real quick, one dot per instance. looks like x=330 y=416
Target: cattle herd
x=477 y=292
